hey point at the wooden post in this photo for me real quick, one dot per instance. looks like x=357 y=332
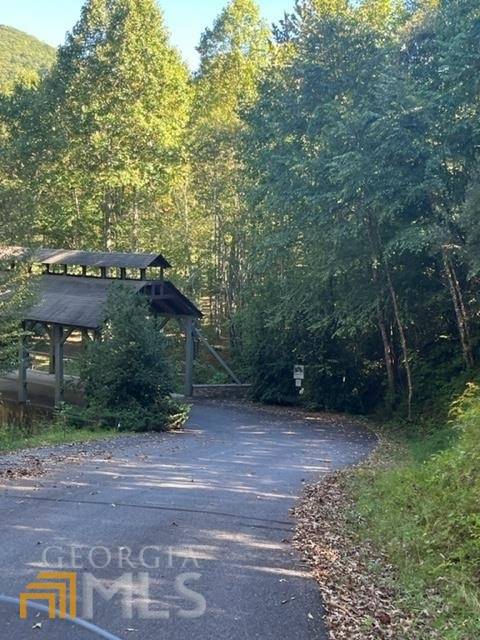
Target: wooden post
x=123 y=273
x=51 y=364
x=59 y=371
x=189 y=328
x=143 y=274
x=22 y=366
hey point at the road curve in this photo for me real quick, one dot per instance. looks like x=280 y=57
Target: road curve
x=200 y=517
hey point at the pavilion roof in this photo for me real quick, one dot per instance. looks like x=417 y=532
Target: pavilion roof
x=73 y=301
x=74 y=257
x=77 y=301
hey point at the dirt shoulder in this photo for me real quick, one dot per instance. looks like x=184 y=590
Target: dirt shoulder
x=357 y=582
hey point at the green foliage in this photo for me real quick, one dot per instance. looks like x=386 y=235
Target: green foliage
x=424 y=513
x=91 y=153
x=317 y=188
x=127 y=375
x=42 y=434
x=233 y=56
x=358 y=242
x=16 y=292
x=23 y=58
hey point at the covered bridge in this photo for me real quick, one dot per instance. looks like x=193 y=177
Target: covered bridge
x=72 y=294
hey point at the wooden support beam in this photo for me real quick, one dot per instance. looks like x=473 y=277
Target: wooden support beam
x=164 y=323
x=217 y=356
x=58 y=334
x=67 y=333
x=143 y=274
x=51 y=364
x=189 y=328
x=22 y=366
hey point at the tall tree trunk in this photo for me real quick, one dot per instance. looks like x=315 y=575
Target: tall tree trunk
x=376 y=241
x=403 y=337
x=135 y=244
x=460 y=309
x=107 y=210
x=388 y=350
x=78 y=234
x=388 y=353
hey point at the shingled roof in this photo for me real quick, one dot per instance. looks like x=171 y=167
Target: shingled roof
x=73 y=257
x=76 y=301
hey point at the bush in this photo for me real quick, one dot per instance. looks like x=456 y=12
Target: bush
x=127 y=375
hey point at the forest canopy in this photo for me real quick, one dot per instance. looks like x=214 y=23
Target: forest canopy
x=316 y=185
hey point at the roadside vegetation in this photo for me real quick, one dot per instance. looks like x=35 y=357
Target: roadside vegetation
x=14 y=437
x=423 y=512
x=395 y=542
x=127 y=375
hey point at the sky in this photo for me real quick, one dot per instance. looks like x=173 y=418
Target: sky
x=49 y=20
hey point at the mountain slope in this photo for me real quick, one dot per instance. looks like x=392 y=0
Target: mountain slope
x=21 y=55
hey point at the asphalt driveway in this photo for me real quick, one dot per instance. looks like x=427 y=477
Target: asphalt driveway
x=189 y=531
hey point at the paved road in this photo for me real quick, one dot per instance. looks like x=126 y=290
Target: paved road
x=213 y=502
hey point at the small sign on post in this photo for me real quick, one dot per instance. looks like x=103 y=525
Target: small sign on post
x=299 y=377
x=299 y=372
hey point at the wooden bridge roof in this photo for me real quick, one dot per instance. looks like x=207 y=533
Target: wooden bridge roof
x=73 y=257
x=77 y=301
x=70 y=301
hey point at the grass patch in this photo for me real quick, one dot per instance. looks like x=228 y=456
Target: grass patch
x=14 y=438
x=423 y=510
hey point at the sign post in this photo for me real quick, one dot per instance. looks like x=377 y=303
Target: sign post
x=299 y=377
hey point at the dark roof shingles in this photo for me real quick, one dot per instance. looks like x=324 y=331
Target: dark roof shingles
x=77 y=301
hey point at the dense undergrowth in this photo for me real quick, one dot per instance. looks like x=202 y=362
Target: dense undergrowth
x=423 y=510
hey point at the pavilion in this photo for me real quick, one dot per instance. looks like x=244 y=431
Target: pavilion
x=73 y=288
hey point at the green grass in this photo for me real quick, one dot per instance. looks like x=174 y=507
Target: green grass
x=13 y=438
x=423 y=510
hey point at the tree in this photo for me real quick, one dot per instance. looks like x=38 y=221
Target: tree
x=127 y=374
x=16 y=295
x=356 y=186
x=103 y=134
x=233 y=56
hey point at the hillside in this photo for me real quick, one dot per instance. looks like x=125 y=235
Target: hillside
x=21 y=54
